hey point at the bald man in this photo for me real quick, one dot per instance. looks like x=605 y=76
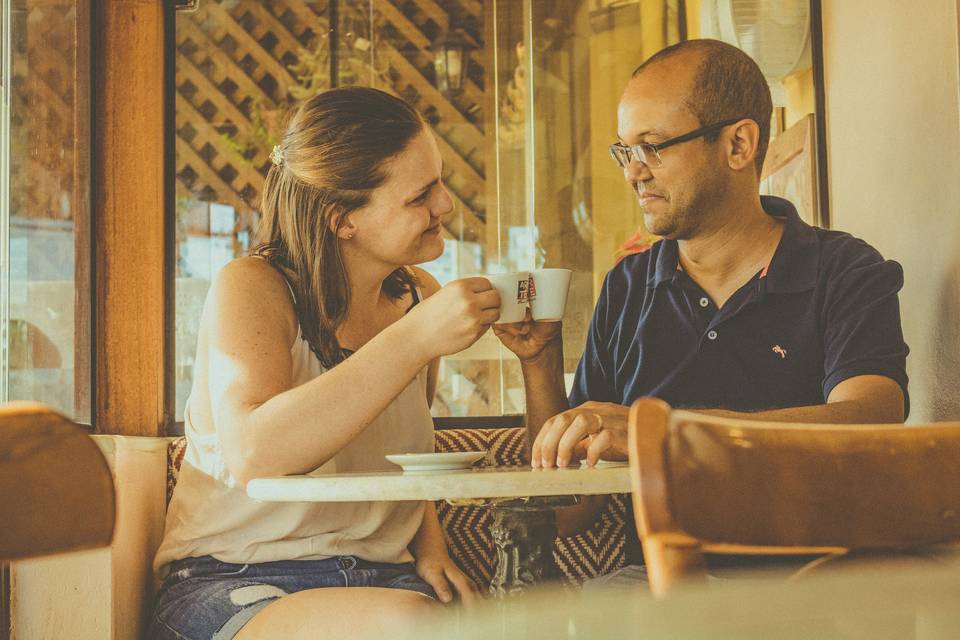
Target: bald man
x=741 y=310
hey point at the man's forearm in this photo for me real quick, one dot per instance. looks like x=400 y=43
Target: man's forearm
x=544 y=389
x=845 y=412
x=546 y=397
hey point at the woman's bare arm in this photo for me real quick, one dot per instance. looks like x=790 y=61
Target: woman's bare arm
x=267 y=427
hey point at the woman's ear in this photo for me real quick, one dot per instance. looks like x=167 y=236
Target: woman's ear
x=342 y=225
x=743 y=145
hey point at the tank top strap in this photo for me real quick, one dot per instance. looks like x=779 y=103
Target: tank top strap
x=417 y=295
x=293 y=296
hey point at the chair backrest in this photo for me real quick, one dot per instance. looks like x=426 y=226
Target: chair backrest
x=724 y=484
x=56 y=491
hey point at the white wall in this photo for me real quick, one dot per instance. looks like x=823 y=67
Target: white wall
x=893 y=126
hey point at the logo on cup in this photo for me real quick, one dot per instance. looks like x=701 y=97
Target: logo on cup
x=522 y=291
x=532 y=294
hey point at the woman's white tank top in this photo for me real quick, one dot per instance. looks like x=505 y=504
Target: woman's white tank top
x=210 y=515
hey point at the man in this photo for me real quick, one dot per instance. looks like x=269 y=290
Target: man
x=741 y=310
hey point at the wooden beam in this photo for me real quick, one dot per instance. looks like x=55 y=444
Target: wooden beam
x=132 y=288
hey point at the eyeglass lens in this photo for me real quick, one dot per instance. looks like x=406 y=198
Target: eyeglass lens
x=623 y=154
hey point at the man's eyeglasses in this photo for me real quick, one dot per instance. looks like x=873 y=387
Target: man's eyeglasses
x=649 y=154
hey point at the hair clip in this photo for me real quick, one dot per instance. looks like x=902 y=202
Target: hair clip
x=276 y=156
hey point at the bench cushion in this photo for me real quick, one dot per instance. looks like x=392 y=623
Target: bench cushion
x=597 y=551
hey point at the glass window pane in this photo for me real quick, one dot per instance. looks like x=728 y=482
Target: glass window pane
x=48 y=348
x=240 y=66
x=524 y=132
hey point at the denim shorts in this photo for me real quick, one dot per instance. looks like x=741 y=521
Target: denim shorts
x=204 y=599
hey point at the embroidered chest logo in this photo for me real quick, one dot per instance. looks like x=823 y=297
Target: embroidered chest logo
x=780 y=351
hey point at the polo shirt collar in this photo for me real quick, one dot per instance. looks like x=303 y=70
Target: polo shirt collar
x=794 y=264
x=797 y=259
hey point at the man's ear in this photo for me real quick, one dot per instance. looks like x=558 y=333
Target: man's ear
x=743 y=145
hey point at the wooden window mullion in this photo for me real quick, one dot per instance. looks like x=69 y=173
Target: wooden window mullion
x=131 y=338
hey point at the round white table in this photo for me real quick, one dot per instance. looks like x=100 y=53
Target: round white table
x=522 y=501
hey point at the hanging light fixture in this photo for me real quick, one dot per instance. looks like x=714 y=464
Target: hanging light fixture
x=450 y=52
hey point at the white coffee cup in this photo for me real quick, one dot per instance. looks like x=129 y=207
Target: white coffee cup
x=548 y=294
x=513 y=289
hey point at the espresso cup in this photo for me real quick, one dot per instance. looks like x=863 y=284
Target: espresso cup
x=513 y=289
x=548 y=293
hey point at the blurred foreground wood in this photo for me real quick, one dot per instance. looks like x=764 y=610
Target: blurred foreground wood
x=56 y=491
x=896 y=599
x=752 y=487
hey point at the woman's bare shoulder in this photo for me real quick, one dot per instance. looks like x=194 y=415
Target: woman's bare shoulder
x=251 y=275
x=250 y=289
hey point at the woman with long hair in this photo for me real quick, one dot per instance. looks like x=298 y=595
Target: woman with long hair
x=319 y=353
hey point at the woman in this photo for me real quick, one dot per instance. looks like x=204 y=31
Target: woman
x=321 y=351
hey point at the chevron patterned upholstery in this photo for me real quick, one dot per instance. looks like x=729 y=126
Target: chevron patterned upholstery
x=597 y=551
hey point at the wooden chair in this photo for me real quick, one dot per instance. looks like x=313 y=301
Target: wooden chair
x=719 y=485
x=56 y=491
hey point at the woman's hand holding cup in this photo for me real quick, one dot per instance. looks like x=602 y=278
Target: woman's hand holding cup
x=457 y=315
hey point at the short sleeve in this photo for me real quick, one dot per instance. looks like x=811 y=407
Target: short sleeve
x=593 y=379
x=862 y=333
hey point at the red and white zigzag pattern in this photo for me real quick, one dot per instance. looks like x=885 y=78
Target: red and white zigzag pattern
x=597 y=551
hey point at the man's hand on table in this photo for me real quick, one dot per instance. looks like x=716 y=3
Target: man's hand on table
x=440 y=572
x=593 y=430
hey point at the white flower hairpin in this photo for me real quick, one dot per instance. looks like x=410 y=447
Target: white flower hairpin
x=277 y=155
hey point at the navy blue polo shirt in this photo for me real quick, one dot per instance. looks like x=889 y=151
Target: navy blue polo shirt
x=825 y=310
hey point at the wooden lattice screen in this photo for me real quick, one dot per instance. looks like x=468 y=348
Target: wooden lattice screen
x=43 y=126
x=242 y=64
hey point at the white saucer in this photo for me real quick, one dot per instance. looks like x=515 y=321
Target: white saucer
x=420 y=462
x=606 y=463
